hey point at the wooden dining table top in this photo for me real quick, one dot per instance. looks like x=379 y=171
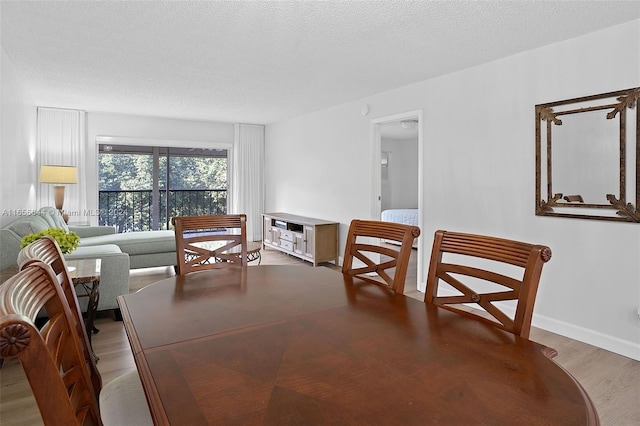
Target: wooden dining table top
x=286 y=345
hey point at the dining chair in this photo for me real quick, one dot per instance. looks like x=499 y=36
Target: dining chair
x=46 y=250
x=485 y=273
x=380 y=263
x=211 y=241
x=53 y=360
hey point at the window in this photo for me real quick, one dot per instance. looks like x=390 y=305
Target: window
x=142 y=187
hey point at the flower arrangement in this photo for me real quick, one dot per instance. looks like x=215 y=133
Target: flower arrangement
x=68 y=241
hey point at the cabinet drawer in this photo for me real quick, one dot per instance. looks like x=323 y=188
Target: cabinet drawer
x=286 y=235
x=286 y=245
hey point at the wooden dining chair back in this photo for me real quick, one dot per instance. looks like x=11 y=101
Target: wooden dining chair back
x=51 y=356
x=484 y=273
x=207 y=242
x=46 y=250
x=381 y=263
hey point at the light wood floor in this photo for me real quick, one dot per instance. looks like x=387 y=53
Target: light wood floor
x=612 y=381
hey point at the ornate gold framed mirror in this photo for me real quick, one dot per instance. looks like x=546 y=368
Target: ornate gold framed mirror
x=587 y=152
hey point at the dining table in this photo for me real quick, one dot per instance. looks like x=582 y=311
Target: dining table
x=302 y=345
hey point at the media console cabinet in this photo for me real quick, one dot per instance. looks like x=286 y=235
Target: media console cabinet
x=313 y=240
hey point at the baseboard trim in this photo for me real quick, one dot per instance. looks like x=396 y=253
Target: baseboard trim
x=601 y=340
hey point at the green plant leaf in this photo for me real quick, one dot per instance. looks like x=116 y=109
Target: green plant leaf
x=68 y=241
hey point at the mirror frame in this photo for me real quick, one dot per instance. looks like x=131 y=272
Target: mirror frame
x=619 y=209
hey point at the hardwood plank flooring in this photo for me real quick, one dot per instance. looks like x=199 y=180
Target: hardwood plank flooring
x=612 y=381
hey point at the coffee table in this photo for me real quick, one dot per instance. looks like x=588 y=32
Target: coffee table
x=253 y=251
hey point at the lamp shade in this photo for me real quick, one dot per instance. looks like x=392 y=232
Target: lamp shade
x=58 y=174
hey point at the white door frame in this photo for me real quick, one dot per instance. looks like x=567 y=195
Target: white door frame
x=376 y=177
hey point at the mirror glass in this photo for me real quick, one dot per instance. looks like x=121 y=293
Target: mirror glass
x=587 y=157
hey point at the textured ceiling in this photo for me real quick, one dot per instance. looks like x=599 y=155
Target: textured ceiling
x=259 y=62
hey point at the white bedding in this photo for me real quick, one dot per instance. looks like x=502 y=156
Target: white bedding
x=405 y=216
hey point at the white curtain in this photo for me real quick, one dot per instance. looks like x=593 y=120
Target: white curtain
x=62 y=141
x=246 y=186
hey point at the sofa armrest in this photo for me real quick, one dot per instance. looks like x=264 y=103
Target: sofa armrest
x=114 y=274
x=9 y=248
x=92 y=231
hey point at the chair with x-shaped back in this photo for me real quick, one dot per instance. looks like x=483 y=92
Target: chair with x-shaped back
x=381 y=263
x=212 y=241
x=484 y=273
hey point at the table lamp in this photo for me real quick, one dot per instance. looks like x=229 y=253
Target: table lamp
x=59 y=175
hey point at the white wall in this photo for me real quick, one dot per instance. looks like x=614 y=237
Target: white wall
x=479 y=173
x=149 y=130
x=400 y=177
x=18 y=174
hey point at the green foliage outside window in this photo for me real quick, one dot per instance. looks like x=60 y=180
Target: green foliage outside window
x=131 y=172
x=197 y=185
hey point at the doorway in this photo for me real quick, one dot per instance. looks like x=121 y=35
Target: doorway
x=388 y=134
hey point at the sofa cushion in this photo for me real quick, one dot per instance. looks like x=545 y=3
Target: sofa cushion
x=93 y=251
x=53 y=218
x=139 y=242
x=28 y=225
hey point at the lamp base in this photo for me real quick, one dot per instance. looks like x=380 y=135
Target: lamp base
x=58 y=198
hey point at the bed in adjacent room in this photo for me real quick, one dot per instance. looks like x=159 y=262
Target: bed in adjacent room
x=405 y=216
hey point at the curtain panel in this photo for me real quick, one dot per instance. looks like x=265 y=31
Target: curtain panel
x=246 y=194
x=62 y=141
